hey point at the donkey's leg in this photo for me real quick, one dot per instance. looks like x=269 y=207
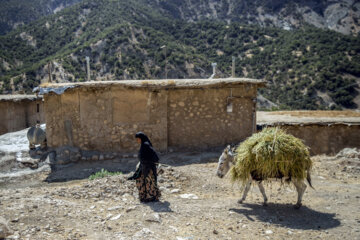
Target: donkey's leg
x=32 y=146
x=262 y=190
x=300 y=188
x=246 y=190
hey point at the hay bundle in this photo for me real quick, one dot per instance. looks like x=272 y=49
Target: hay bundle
x=271 y=153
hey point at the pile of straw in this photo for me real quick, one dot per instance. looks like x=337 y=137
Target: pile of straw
x=271 y=153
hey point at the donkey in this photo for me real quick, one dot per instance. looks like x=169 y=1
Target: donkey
x=227 y=160
x=36 y=135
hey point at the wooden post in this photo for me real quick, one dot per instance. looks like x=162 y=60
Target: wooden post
x=88 y=68
x=12 y=85
x=49 y=71
x=233 y=67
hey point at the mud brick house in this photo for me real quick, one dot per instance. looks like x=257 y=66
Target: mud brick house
x=325 y=132
x=20 y=111
x=177 y=115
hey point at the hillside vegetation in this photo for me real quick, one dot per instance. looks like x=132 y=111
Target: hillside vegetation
x=306 y=68
x=15 y=13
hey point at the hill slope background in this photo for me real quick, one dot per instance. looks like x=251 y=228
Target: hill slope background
x=15 y=13
x=338 y=15
x=306 y=67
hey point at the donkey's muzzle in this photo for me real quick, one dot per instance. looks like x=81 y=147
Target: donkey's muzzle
x=220 y=175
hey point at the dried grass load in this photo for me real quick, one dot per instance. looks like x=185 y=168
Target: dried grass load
x=271 y=153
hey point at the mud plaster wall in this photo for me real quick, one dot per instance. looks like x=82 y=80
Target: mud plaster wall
x=327 y=139
x=107 y=118
x=17 y=115
x=198 y=118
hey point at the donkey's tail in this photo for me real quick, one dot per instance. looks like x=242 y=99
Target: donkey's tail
x=308 y=178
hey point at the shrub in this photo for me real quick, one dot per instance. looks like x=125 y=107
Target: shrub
x=103 y=173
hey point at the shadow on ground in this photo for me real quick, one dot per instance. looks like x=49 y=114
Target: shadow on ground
x=160 y=206
x=83 y=169
x=286 y=216
x=34 y=163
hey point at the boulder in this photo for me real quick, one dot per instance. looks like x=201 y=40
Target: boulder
x=349 y=153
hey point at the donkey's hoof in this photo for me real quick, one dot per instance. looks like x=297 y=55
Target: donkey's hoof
x=265 y=204
x=240 y=201
x=297 y=206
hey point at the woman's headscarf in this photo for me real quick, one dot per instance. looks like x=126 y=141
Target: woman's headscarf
x=147 y=154
x=143 y=138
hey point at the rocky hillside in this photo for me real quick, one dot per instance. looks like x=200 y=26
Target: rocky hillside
x=306 y=67
x=339 y=15
x=15 y=13
x=342 y=15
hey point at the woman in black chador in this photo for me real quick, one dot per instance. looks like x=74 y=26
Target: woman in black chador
x=145 y=175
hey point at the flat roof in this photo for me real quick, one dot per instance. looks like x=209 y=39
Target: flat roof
x=19 y=97
x=308 y=117
x=155 y=84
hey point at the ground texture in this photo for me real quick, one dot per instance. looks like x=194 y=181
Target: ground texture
x=195 y=204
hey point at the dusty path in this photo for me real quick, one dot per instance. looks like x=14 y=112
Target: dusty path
x=108 y=208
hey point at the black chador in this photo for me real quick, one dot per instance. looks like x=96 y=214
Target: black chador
x=146 y=174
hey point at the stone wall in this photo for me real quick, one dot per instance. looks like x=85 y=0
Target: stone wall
x=17 y=115
x=326 y=138
x=198 y=118
x=106 y=118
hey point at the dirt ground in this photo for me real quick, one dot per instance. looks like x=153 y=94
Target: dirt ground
x=195 y=204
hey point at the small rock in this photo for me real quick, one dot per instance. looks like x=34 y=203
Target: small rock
x=215 y=232
x=115 y=208
x=152 y=217
x=175 y=190
x=174 y=228
x=142 y=233
x=15 y=220
x=189 y=196
x=130 y=209
x=116 y=217
x=269 y=232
